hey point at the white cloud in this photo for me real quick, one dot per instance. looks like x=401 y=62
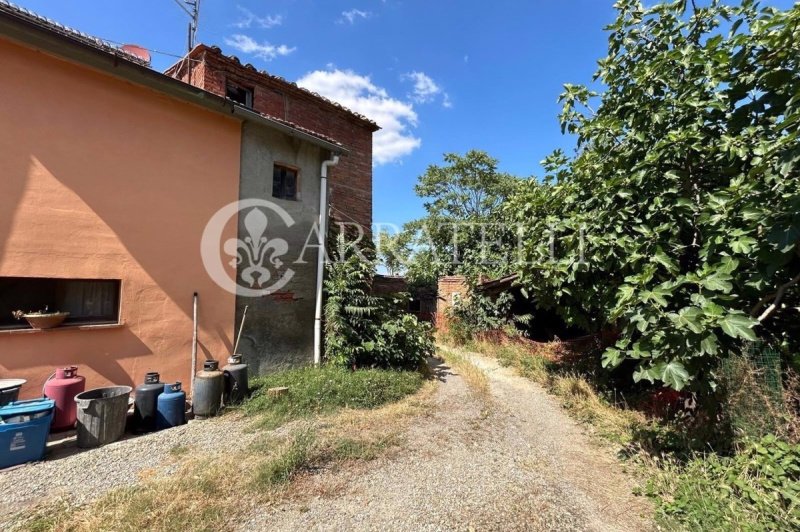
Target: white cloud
x=446 y=102
x=249 y=18
x=426 y=90
x=466 y=59
x=264 y=50
x=353 y=15
x=360 y=94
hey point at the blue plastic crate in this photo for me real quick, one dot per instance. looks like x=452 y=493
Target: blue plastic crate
x=24 y=426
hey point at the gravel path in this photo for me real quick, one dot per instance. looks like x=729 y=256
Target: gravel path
x=515 y=461
x=512 y=460
x=80 y=477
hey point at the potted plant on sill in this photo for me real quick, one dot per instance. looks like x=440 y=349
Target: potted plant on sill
x=42 y=319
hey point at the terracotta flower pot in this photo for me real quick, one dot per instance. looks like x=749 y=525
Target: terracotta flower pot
x=49 y=320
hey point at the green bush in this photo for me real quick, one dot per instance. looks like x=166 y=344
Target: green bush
x=675 y=223
x=479 y=314
x=363 y=330
x=758 y=489
x=321 y=390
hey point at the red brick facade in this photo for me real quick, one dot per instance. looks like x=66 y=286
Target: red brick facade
x=450 y=289
x=350 y=181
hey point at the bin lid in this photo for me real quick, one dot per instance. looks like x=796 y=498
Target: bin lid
x=7 y=384
x=31 y=406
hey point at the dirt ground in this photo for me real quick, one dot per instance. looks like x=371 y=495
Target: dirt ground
x=511 y=459
x=486 y=450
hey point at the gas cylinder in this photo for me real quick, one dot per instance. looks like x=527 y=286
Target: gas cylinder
x=207 y=392
x=171 y=407
x=63 y=389
x=145 y=403
x=236 y=385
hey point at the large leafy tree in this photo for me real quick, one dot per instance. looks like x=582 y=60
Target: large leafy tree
x=683 y=192
x=461 y=231
x=392 y=252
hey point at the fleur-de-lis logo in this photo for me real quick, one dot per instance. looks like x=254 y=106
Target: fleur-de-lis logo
x=255 y=255
x=253 y=250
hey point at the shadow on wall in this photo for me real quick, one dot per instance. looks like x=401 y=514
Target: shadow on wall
x=15 y=172
x=108 y=180
x=126 y=345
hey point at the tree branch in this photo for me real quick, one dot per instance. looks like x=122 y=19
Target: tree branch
x=778 y=296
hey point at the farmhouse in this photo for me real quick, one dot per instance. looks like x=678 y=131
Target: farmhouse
x=125 y=191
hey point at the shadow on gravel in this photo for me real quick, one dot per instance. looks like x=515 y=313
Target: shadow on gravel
x=439 y=370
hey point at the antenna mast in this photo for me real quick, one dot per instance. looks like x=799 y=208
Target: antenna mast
x=191 y=8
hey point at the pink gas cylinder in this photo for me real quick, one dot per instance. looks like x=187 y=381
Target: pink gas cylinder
x=62 y=389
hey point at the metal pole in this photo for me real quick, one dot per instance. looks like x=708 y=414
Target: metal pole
x=194 y=342
x=239 y=336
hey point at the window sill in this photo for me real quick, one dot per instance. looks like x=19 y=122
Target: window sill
x=78 y=327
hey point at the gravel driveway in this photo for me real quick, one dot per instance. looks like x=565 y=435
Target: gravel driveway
x=513 y=462
x=80 y=477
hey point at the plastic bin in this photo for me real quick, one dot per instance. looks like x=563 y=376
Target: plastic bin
x=24 y=426
x=9 y=390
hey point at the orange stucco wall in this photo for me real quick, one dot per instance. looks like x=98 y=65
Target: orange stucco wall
x=100 y=178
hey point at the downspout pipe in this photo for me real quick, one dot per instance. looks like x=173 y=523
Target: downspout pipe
x=323 y=232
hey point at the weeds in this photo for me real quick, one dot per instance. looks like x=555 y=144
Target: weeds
x=280 y=469
x=756 y=489
x=473 y=375
x=348 y=448
x=573 y=390
x=179 y=450
x=358 y=420
x=314 y=391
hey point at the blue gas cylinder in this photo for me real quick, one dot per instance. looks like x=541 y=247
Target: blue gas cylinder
x=171 y=408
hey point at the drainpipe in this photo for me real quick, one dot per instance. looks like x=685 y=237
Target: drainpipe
x=323 y=232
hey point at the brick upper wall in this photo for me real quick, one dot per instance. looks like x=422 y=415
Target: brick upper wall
x=447 y=287
x=351 y=180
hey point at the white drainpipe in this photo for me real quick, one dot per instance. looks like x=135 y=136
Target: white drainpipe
x=323 y=232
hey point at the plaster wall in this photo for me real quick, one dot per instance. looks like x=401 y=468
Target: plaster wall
x=100 y=178
x=278 y=330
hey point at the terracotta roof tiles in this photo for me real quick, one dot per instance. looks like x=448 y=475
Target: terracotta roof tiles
x=46 y=23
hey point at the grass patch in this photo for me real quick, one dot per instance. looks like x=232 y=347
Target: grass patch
x=179 y=450
x=314 y=391
x=348 y=448
x=757 y=489
x=575 y=393
x=195 y=498
x=361 y=416
x=280 y=468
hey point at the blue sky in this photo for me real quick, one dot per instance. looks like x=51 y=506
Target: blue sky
x=440 y=75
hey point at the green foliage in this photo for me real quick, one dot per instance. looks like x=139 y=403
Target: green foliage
x=314 y=391
x=364 y=330
x=479 y=313
x=677 y=220
x=462 y=228
x=758 y=489
x=392 y=251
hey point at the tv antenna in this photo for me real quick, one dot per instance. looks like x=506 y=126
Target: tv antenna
x=191 y=8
